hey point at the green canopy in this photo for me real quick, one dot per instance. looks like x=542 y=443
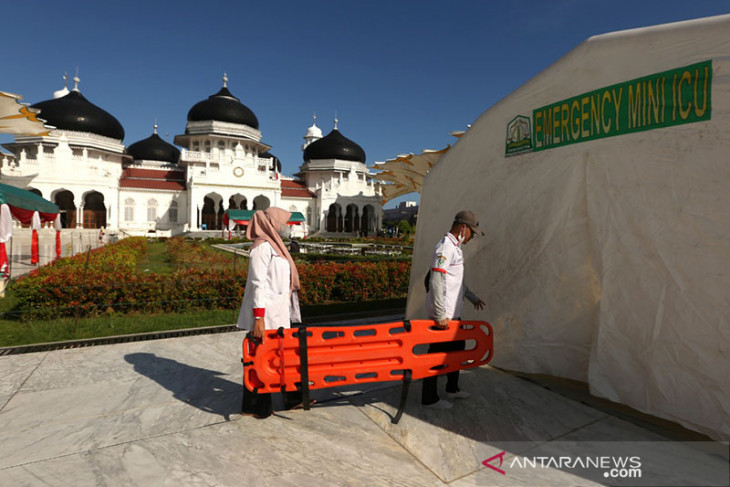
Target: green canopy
x=23 y=203
x=242 y=217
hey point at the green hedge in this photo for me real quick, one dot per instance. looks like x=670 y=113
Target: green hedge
x=204 y=279
x=311 y=257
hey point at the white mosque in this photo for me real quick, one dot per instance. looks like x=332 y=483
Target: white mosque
x=152 y=187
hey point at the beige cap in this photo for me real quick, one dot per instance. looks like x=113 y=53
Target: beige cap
x=468 y=218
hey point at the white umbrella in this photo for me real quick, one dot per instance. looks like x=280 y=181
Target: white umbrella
x=404 y=174
x=18 y=118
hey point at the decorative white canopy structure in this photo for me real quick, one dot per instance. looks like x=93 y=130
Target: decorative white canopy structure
x=18 y=118
x=404 y=174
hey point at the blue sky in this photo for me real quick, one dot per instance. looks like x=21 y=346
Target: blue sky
x=400 y=75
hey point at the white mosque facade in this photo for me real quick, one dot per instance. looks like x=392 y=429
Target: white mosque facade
x=152 y=187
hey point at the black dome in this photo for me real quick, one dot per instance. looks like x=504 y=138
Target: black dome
x=76 y=113
x=275 y=162
x=223 y=107
x=153 y=148
x=334 y=146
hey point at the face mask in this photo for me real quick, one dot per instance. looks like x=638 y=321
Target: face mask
x=285 y=232
x=462 y=237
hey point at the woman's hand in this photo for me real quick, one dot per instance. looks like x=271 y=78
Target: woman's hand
x=258 y=327
x=442 y=324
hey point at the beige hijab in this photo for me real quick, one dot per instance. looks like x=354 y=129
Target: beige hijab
x=264 y=227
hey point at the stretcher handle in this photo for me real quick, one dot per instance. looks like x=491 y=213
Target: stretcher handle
x=304 y=366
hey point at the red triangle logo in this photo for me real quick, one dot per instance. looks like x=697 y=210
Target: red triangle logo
x=501 y=459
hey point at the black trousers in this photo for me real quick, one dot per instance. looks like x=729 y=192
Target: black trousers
x=429 y=394
x=259 y=404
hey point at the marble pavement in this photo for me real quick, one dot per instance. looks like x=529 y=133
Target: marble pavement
x=166 y=412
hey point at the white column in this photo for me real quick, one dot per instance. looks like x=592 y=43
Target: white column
x=360 y=210
x=192 y=211
x=79 y=215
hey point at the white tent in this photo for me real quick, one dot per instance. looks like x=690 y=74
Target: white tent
x=602 y=186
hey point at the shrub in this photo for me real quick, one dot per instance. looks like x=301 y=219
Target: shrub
x=107 y=281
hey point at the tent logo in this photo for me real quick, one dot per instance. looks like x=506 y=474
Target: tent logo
x=519 y=136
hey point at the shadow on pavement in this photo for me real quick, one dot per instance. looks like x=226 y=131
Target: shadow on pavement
x=201 y=388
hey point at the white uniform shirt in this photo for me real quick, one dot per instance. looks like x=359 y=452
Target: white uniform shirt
x=267 y=286
x=449 y=260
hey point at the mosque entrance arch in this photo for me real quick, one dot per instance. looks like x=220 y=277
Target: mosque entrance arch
x=94 y=210
x=334 y=218
x=352 y=222
x=367 y=221
x=65 y=201
x=212 y=212
x=237 y=202
x=261 y=202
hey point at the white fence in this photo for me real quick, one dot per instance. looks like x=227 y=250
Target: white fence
x=73 y=241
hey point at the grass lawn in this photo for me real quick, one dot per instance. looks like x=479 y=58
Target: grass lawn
x=15 y=333
x=156 y=259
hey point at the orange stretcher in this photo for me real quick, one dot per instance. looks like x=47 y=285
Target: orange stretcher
x=316 y=357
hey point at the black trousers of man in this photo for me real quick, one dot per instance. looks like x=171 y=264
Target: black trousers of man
x=430 y=393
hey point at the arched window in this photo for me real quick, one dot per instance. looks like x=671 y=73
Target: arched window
x=221 y=145
x=172 y=213
x=129 y=210
x=151 y=210
x=207 y=146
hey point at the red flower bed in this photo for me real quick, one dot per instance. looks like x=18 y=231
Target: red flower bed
x=205 y=279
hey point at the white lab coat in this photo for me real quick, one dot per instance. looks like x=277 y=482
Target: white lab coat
x=448 y=300
x=267 y=286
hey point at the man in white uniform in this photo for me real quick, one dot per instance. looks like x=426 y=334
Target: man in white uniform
x=445 y=300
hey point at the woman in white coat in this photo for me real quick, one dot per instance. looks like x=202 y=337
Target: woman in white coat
x=270 y=298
